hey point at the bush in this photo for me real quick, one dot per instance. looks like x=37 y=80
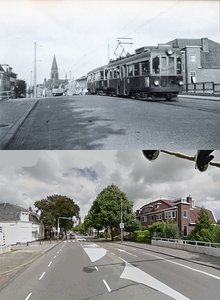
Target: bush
x=142 y=236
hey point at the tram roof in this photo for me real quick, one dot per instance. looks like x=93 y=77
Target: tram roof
x=97 y=69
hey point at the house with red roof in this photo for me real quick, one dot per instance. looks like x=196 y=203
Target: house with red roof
x=201 y=59
x=183 y=211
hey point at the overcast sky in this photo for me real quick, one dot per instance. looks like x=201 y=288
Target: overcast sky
x=27 y=176
x=79 y=32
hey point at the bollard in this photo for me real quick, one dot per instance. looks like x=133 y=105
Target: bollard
x=27 y=244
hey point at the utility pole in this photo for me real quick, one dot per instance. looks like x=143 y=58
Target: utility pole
x=121 y=223
x=35 y=72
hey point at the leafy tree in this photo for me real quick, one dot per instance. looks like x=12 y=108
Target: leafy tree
x=56 y=206
x=203 y=230
x=106 y=210
x=168 y=229
x=21 y=87
x=80 y=228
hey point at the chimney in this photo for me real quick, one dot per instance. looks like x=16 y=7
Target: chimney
x=189 y=199
x=205 y=45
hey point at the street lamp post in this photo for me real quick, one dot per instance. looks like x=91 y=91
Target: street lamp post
x=35 y=72
x=121 y=223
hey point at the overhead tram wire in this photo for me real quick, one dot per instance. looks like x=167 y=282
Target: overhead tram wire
x=138 y=28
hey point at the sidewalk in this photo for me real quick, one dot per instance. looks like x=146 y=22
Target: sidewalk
x=202 y=259
x=20 y=256
x=13 y=112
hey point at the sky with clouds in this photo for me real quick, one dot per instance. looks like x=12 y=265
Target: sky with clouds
x=27 y=176
x=83 y=34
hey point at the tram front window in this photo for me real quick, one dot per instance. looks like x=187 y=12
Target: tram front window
x=171 y=65
x=178 y=65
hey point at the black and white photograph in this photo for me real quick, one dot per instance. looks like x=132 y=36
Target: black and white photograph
x=107 y=75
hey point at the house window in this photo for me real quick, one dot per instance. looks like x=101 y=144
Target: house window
x=185 y=230
x=159 y=217
x=170 y=214
x=151 y=218
x=193 y=76
x=143 y=219
x=193 y=58
x=185 y=214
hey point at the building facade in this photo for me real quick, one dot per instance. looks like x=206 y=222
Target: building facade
x=19 y=225
x=183 y=211
x=7 y=82
x=201 y=59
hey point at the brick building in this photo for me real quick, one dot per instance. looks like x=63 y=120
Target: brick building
x=201 y=59
x=183 y=211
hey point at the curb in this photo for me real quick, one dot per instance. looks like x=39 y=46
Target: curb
x=10 y=134
x=175 y=256
x=29 y=262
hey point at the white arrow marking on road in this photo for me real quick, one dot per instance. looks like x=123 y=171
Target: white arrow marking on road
x=132 y=273
x=95 y=253
x=127 y=252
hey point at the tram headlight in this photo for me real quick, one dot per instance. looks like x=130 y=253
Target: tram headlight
x=169 y=51
x=180 y=82
x=156 y=82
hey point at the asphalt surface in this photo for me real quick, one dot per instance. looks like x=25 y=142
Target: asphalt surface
x=20 y=256
x=13 y=113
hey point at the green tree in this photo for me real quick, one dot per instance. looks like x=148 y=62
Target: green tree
x=56 y=206
x=106 y=210
x=203 y=230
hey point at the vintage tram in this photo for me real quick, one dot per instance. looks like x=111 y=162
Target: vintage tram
x=151 y=72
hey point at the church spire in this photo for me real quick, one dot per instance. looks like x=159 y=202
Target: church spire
x=54 y=75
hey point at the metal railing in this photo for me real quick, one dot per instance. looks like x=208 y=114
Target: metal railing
x=202 y=87
x=188 y=242
x=5 y=95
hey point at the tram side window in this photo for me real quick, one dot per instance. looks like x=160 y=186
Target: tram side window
x=145 y=67
x=130 y=70
x=136 y=69
x=171 y=65
x=116 y=73
x=106 y=74
x=156 y=65
x=178 y=65
x=101 y=75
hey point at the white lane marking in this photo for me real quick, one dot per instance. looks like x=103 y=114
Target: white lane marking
x=96 y=268
x=55 y=256
x=107 y=286
x=112 y=253
x=42 y=275
x=127 y=252
x=28 y=296
x=195 y=270
x=50 y=263
x=132 y=273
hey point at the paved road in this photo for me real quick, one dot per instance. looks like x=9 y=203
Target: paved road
x=85 y=269
x=98 y=122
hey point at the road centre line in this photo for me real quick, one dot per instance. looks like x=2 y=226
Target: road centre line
x=28 y=296
x=107 y=286
x=96 y=268
x=55 y=256
x=112 y=253
x=42 y=275
x=50 y=263
x=173 y=262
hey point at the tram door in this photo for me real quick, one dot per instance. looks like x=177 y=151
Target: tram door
x=123 y=85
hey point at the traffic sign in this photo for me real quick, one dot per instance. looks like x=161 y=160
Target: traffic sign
x=69 y=218
x=122 y=225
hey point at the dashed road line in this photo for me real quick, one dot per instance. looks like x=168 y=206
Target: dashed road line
x=107 y=286
x=96 y=268
x=55 y=256
x=28 y=296
x=50 y=263
x=42 y=275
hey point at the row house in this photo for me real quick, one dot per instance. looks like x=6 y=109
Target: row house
x=183 y=211
x=7 y=81
x=201 y=59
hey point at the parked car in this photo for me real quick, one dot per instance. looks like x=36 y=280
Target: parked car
x=72 y=236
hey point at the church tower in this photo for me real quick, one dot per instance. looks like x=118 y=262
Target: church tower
x=54 y=75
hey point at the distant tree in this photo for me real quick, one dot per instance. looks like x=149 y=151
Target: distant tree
x=80 y=228
x=106 y=210
x=21 y=87
x=56 y=206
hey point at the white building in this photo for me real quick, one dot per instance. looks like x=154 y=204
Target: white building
x=19 y=225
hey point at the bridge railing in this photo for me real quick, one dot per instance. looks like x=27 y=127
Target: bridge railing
x=188 y=242
x=202 y=87
x=5 y=95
